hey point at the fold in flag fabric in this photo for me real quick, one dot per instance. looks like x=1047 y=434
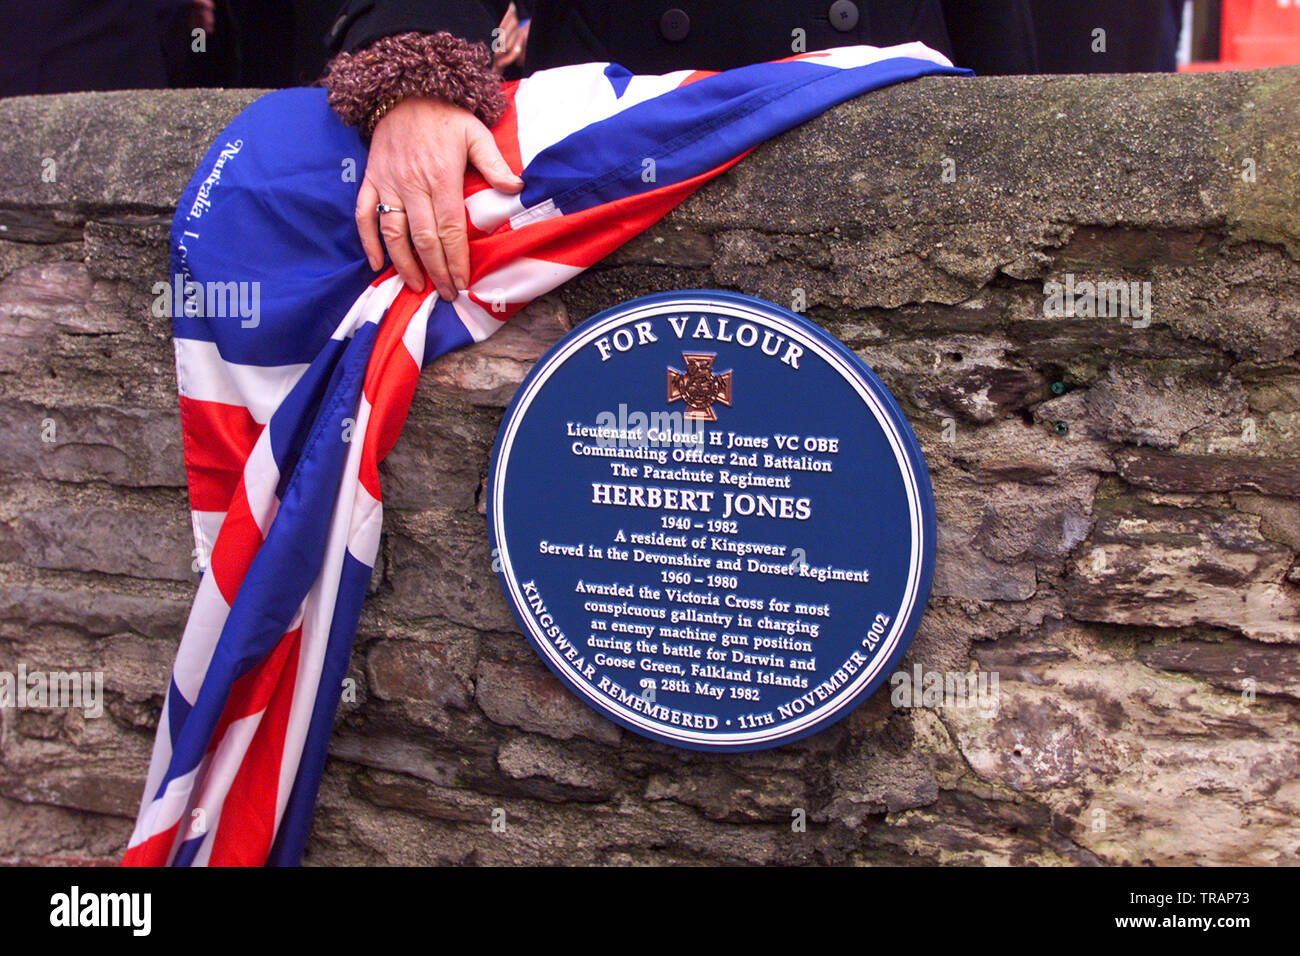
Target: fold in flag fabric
x=296 y=366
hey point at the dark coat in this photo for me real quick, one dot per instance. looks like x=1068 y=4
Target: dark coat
x=67 y=46
x=1141 y=35
x=655 y=36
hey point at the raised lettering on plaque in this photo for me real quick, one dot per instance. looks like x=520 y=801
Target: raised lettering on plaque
x=712 y=521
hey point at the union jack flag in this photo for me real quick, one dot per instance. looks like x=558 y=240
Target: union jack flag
x=288 y=407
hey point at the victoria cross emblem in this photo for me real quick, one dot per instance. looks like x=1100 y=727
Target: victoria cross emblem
x=698 y=387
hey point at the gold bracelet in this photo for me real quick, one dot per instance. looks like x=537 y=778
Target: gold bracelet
x=368 y=130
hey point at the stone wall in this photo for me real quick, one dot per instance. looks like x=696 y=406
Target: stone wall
x=1118 y=498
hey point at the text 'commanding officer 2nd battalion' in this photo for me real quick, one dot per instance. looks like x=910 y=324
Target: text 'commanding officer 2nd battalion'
x=417 y=79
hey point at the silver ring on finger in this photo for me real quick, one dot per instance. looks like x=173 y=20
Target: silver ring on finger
x=383 y=207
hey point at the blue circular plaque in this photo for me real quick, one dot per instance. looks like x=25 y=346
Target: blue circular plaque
x=711 y=520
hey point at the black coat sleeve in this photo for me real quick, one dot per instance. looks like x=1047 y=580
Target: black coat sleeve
x=362 y=22
x=992 y=37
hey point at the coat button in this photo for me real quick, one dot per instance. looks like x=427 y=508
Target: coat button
x=844 y=15
x=675 y=24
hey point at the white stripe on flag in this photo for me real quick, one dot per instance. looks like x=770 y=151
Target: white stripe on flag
x=222 y=765
x=523 y=280
x=202 y=374
x=202 y=629
x=206 y=525
x=488 y=209
x=848 y=57
x=544 y=102
x=261 y=478
x=163 y=813
x=540 y=213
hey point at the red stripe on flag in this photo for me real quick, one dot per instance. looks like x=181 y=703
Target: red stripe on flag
x=252 y=692
x=156 y=850
x=391 y=377
x=696 y=76
x=501 y=311
x=247 y=826
x=814 y=55
x=389 y=337
x=583 y=238
x=506 y=134
x=236 y=546
x=218 y=439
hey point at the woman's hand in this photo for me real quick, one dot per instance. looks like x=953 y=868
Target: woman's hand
x=203 y=15
x=509 y=40
x=418 y=155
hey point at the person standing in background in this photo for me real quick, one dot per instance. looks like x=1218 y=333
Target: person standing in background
x=416 y=78
x=1107 y=36
x=653 y=36
x=72 y=46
